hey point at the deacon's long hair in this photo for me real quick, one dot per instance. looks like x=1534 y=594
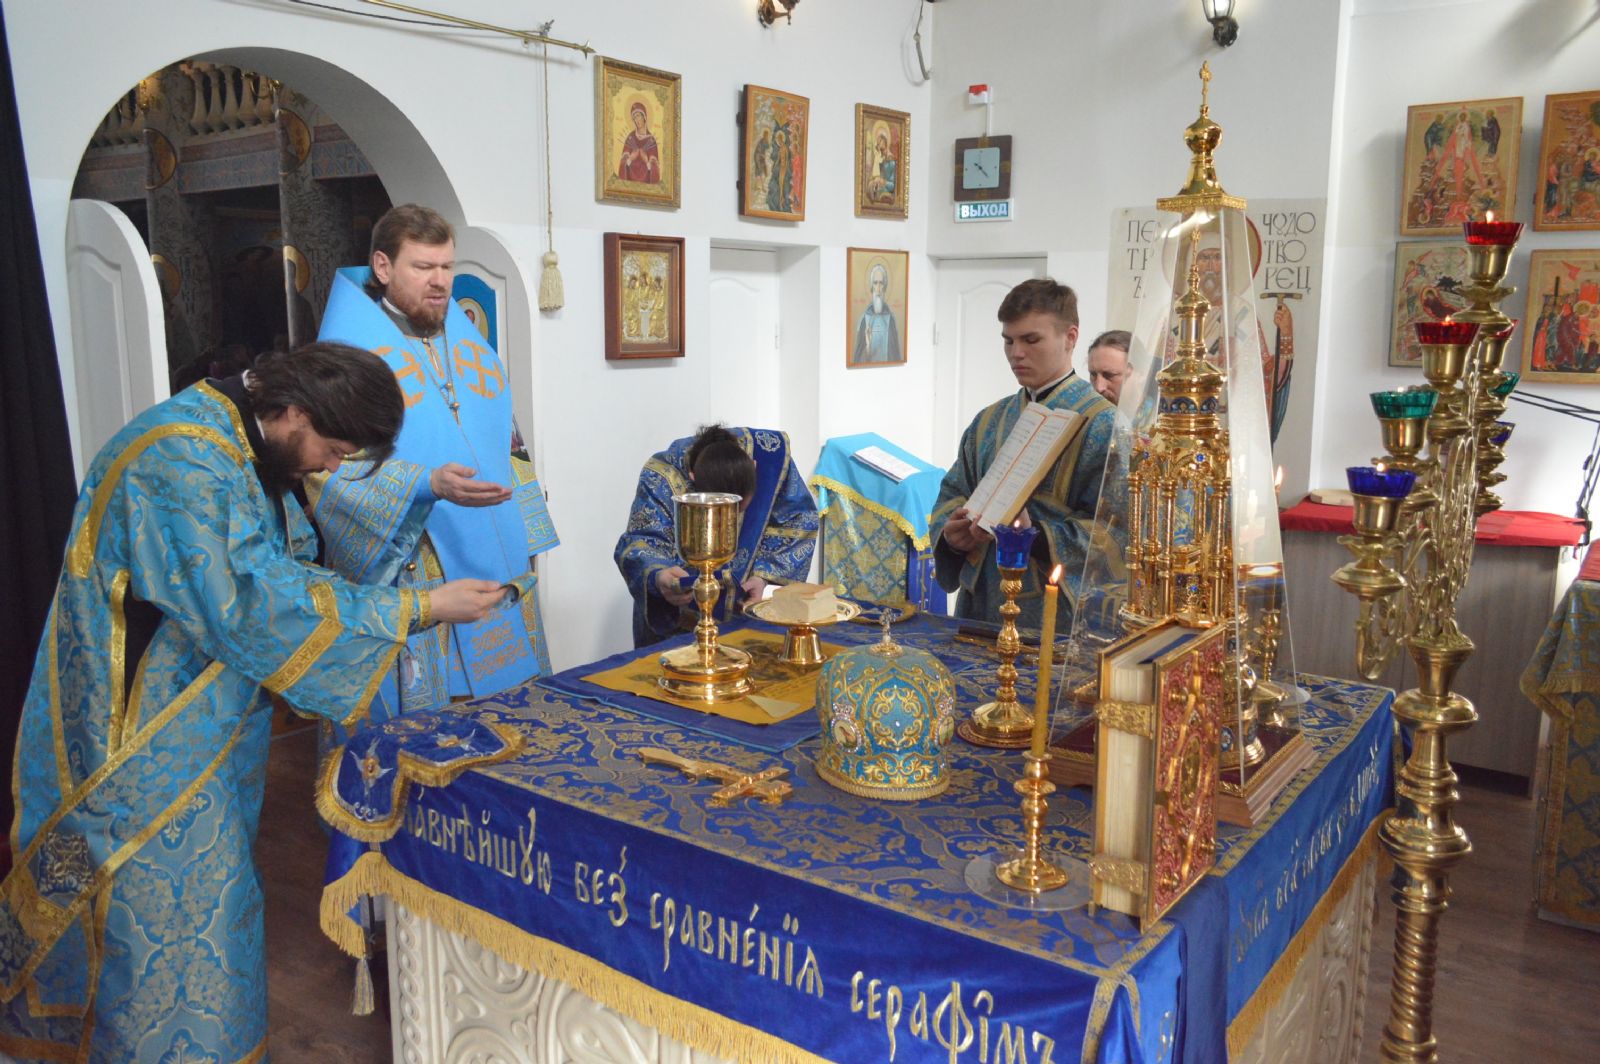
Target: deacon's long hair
x=717 y=462
x=347 y=393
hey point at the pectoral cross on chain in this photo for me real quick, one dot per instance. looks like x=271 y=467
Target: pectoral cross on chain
x=765 y=786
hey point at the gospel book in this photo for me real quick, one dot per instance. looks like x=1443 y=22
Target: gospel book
x=1155 y=790
x=1028 y=453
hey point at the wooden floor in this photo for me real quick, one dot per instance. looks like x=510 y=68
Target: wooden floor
x=1512 y=987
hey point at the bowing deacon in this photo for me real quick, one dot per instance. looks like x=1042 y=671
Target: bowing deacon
x=130 y=924
x=1039 y=326
x=458 y=445
x=777 y=529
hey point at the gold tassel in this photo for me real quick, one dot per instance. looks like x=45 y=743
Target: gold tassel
x=551 y=293
x=365 y=999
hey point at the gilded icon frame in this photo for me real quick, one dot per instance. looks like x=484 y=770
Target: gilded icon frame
x=774 y=125
x=882 y=193
x=644 y=296
x=1432 y=146
x=1564 y=309
x=860 y=263
x=1571 y=124
x=629 y=168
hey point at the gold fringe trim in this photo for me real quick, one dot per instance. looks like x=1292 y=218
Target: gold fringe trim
x=408 y=770
x=920 y=542
x=1245 y=1025
x=688 y=1023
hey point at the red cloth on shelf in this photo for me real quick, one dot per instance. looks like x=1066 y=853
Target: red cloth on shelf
x=1503 y=528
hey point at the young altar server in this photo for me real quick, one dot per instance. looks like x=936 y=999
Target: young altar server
x=777 y=532
x=1039 y=325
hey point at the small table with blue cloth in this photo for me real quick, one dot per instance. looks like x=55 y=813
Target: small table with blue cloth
x=574 y=895
x=875 y=544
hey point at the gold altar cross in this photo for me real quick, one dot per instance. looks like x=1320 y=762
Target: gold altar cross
x=764 y=786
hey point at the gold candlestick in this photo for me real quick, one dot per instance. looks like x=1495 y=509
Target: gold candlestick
x=1424 y=549
x=708 y=534
x=1031 y=871
x=1003 y=723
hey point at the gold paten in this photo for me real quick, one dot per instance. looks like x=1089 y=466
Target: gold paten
x=764 y=786
x=708 y=534
x=1412 y=562
x=801 y=643
x=1003 y=723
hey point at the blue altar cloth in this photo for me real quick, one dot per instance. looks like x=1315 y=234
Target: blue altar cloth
x=911 y=499
x=839 y=927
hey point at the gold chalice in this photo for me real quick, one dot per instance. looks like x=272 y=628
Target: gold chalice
x=708 y=535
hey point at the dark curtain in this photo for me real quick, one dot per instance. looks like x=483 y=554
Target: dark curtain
x=37 y=489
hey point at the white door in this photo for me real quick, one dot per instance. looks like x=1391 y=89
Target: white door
x=971 y=364
x=742 y=381
x=119 y=341
x=481 y=254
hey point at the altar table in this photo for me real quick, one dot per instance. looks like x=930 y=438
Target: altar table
x=575 y=903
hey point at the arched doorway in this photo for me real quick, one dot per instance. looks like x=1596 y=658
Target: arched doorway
x=244 y=165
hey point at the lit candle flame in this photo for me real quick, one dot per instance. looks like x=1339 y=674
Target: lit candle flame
x=1380 y=467
x=1055 y=576
x=1488 y=216
x=1277 y=478
x=1448 y=320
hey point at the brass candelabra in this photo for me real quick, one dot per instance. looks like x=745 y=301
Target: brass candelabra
x=1413 y=550
x=1003 y=723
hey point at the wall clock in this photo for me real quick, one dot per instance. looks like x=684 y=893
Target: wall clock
x=983 y=168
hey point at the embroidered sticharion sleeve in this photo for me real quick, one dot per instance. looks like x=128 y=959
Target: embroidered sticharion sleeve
x=950 y=566
x=370 y=525
x=204 y=550
x=1065 y=511
x=645 y=548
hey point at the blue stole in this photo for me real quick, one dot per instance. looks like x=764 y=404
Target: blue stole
x=487 y=543
x=770 y=449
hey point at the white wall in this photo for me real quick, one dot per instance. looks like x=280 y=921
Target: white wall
x=453 y=119
x=1097 y=97
x=1405 y=52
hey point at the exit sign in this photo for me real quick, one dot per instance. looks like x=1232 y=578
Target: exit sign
x=984 y=211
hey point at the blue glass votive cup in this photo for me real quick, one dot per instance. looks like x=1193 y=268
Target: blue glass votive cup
x=1012 y=544
x=1384 y=483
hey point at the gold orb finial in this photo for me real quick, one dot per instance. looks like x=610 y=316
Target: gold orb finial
x=1202 y=190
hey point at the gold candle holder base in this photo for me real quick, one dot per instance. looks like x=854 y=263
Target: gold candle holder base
x=725 y=678
x=1003 y=724
x=1031 y=871
x=802 y=646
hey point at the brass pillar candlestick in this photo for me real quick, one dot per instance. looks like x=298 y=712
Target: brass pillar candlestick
x=1413 y=562
x=708 y=534
x=1003 y=723
x=1031 y=871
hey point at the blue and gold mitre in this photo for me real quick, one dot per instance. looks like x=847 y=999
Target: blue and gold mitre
x=887 y=712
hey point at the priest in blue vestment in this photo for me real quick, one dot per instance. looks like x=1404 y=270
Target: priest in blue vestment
x=1039 y=326
x=777 y=530
x=460 y=443
x=130 y=923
